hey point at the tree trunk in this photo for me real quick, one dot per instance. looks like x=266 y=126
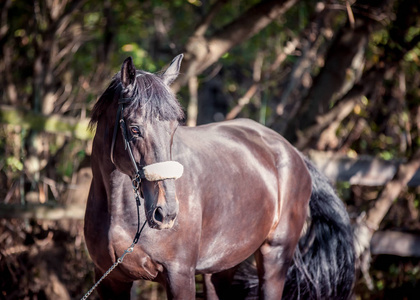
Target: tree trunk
x=364 y=170
x=395 y=243
x=347 y=48
x=369 y=224
x=201 y=52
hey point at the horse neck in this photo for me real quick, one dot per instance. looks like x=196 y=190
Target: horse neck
x=113 y=191
x=104 y=172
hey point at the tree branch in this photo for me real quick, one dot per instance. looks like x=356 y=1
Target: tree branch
x=53 y=123
x=4 y=26
x=392 y=190
x=395 y=243
x=363 y=170
x=246 y=98
x=204 y=25
x=370 y=222
x=201 y=52
x=42 y=211
x=349 y=44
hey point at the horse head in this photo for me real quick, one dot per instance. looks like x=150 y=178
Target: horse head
x=147 y=116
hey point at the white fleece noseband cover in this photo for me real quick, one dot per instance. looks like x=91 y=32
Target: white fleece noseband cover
x=163 y=170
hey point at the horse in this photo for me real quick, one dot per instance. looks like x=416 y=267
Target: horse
x=213 y=195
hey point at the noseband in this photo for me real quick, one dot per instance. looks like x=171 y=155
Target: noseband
x=154 y=172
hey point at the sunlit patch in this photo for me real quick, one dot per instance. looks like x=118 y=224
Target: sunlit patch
x=163 y=170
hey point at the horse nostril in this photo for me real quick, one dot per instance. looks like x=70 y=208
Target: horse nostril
x=158 y=216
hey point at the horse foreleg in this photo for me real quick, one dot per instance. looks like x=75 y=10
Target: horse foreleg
x=180 y=283
x=110 y=288
x=209 y=288
x=219 y=285
x=272 y=264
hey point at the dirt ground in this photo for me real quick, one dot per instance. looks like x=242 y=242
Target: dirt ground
x=49 y=260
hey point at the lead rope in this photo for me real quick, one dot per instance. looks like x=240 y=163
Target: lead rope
x=136 y=185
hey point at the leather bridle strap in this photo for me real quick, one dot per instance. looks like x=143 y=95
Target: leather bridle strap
x=120 y=119
x=154 y=172
x=114 y=135
x=127 y=143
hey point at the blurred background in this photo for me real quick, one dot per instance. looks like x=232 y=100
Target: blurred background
x=339 y=79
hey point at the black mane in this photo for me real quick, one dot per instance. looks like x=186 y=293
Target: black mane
x=151 y=95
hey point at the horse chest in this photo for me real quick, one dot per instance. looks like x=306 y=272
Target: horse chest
x=138 y=264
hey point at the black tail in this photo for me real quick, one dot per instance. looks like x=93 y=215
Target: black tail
x=323 y=265
x=324 y=261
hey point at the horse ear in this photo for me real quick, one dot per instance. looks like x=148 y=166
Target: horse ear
x=128 y=72
x=172 y=71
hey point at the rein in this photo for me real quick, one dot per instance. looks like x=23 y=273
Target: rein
x=136 y=181
x=129 y=249
x=153 y=172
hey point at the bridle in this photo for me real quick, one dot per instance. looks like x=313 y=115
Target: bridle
x=136 y=180
x=154 y=172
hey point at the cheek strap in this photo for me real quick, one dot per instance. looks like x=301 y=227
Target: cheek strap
x=163 y=170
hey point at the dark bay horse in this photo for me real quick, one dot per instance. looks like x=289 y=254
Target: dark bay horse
x=244 y=190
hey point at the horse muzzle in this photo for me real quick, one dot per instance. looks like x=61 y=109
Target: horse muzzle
x=163 y=215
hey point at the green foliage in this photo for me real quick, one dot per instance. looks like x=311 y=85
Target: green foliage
x=343 y=190
x=140 y=57
x=73 y=65
x=67 y=167
x=14 y=164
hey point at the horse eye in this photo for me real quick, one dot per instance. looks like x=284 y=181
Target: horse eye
x=135 y=130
